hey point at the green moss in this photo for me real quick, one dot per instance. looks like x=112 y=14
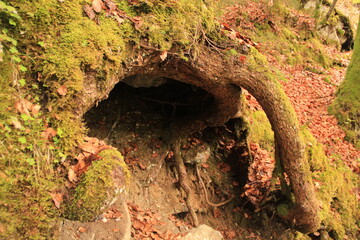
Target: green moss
x=346 y=106
x=96 y=187
x=231 y=52
x=336 y=184
x=283 y=209
x=260 y=131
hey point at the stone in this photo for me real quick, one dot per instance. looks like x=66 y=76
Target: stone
x=203 y=232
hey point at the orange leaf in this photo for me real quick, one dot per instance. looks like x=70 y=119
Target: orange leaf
x=138 y=22
x=35 y=110
x=62 y=90
x=72 y=175
x=110 y=5
x=23 y=106
x=242 y=59
x=49 y=133
x=134 y=2
x=97 y=5
x=88 y=147
x=57 y=197
x=163 y=55
x=16 y=123
x=205 y=165
x=89 y=12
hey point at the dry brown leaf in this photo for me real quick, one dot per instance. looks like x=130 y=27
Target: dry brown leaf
x=23 y=106
x=134 y=2
x=72 y=175
x=138 y=22
x=62 y=90
x=35 y=110
x=49 y=133
x=16 y=123
x=97 y=5
x=205 y=165
x=89 y=12
x=80 y=165
x=163 y=55
x=119 y=19
x=137 y=224
x=88 y=147
x=110 y=5
x=141 y=166
x=57 y=198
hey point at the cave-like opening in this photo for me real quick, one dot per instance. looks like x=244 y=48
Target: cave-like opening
x=153 y=98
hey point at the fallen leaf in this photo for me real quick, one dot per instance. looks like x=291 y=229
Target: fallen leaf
x=119 y=19
x=89 y=11
x=205 y=165
x=62 y=90
x=72 y=175
x=23 y=106
x=88 y=147
x=57 y=198
x=138 y=22
x=16 y=123
x=97 y=5
x=242 y=59
x=137 y=224
x=163 y=55
x=110 y=5
x=134 y=2
x=141 y=166
x=49 y=133
x=82 y=229
x=35 y=110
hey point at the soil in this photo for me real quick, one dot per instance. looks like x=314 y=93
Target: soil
x=136 y=121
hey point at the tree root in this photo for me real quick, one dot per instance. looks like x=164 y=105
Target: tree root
x=183 y=180
x=205 y=192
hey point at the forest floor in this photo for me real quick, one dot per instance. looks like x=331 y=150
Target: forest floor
x=137 y=126
x=155 y=200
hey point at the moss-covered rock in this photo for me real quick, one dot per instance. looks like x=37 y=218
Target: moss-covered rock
x=99 y=186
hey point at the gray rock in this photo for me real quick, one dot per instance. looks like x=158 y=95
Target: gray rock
x=203 y=232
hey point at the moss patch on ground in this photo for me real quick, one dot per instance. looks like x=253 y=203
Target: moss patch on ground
x=336 y=185
x=97 y=186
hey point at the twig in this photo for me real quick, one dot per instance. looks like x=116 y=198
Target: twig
x=205 y=192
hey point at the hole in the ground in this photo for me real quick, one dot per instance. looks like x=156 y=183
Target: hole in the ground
x=147 y=100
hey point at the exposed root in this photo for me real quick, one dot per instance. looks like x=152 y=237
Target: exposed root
x=205 y=192
x=183 y=180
